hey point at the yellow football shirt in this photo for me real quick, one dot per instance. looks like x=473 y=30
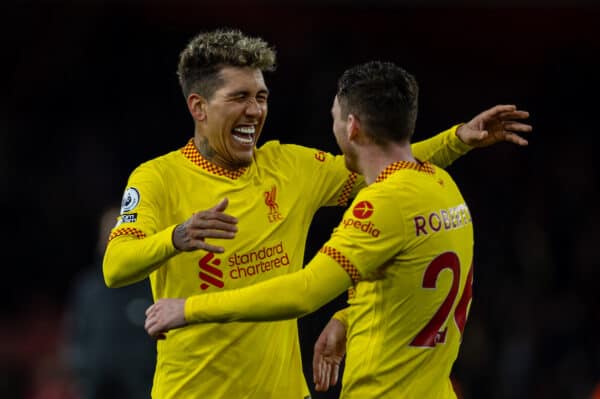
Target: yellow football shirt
x=407 y=242
x=274 y=199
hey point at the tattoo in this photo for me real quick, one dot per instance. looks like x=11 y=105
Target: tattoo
x=179 y=236
x=205 y=149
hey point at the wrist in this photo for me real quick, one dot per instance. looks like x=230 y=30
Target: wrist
x=177 y=235
x=459 y=139
x=459 y=132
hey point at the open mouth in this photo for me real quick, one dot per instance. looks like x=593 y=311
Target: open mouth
x=244 y=134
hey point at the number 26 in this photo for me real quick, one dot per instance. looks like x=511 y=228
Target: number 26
x=430 y=335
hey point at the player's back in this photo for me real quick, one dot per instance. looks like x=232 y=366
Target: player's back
x=407 y=315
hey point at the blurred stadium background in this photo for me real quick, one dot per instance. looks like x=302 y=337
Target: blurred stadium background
x=90 y=91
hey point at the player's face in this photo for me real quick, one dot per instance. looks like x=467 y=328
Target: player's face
x=235 y=116
x=340 y=131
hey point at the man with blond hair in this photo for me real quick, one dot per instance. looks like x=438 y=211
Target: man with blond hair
x=271 y=194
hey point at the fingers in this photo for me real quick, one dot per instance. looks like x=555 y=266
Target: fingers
x=511 y=128
x=515 y=138
x=497 y=110
x=327 y=374
x=324 y=372
x=317 y=359
x=517 y=127
x=215 y=214
x=319 y=373
x=211 y=223
x=150 y=324
x=214 y=223
x=316 y=367
x=207 y=247
x=149 y=310
x=517 y=114
x=335 y=374
x=220 y=207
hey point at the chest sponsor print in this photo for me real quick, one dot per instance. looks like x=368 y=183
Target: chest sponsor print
x=242 y=265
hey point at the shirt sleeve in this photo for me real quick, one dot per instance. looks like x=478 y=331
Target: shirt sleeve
x=369 y=235
x=284 y=297
x=137 y=244
x=324 y=175
x=441 y=149
x=342 y=316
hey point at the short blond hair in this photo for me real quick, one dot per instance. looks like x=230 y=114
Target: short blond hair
x=207 y=53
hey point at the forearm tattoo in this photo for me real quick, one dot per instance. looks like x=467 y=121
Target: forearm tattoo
x=179 y=236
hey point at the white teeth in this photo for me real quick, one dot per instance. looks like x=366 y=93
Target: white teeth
x=245 y=129
x=243 y=140
x=244 y=134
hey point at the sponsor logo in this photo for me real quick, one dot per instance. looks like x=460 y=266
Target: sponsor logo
x=271 y=202
x=210 y=274
x=129 y=218
x=263 y=260
x=363 y=210
x=320 y=156
x=367 y=227
x=131 y=198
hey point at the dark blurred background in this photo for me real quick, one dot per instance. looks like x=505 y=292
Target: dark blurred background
x=90 y=91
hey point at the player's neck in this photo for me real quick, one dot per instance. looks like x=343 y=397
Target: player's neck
x=374 y=159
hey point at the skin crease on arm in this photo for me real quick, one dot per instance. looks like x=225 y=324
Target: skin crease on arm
x=297 y=294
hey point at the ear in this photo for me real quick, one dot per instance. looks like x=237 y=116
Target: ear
x=353 y=127
x=197 y=106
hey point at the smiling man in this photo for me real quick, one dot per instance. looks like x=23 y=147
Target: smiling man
x=271 y=194
x=412 y=291
x=231 y=119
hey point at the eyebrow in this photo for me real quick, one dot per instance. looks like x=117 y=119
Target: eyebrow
x=245 y=93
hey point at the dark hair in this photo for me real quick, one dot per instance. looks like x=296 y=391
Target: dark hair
x=383 y=96
x=204 y=56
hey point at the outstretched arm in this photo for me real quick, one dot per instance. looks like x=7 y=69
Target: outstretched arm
x=284 y=297
x=497 y=124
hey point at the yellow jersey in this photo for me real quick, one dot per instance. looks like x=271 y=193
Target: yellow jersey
x=407 y=243
x=274 y=200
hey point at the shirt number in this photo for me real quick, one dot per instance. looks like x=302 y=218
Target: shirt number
x=431 y=335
